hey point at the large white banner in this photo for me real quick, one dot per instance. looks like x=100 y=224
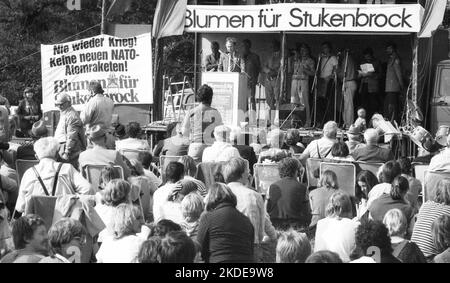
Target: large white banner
x=304 y=17
x=123 y=66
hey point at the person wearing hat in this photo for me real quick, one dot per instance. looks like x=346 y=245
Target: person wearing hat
x=99 y=154
x=99 y=109
x=354 y=138
x=69 y=131
x=29 y=111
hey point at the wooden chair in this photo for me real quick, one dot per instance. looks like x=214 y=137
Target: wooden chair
x=370 y=166
x=266 y=174
x=93 y=172
x=346 y=175
x=313 y=171
x=164 y=160
x=22 y=166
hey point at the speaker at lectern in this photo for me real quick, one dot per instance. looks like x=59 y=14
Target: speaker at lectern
x=230 y=95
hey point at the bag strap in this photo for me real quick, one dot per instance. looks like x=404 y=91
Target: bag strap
x=318 y=151
x=40 y=180
x=55 y=180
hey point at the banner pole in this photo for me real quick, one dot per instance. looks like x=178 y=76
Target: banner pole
x=103 y=25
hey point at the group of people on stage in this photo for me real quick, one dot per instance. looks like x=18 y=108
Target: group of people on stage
x=318 y=81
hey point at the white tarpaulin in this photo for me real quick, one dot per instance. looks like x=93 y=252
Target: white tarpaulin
x=434 y=14
x=122 y=65
x=304 y=17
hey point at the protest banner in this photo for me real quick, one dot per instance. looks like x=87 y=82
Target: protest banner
x=304 y=17
x=123 y=66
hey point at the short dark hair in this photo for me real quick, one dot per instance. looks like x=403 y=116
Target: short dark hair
x=441 y=232
x=400 y=187
x=247 y=42
x=63 y=232
x=174 y=171
x=205 y=94
x=177 y=247
x=219 y=193
x=119 y=131
x=163 y=227
x=324 y=257
x=147 y=159
x=372 y=233
x=23 y=229
x=288 y=167
x=391 y=169
x=96 y=87
x=405 y=165
x=292 y=137
x=133 y=129
x=149 y=252
x=340 y=149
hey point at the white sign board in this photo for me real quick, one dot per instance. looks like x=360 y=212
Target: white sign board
x=304 y=17
x=123 y=66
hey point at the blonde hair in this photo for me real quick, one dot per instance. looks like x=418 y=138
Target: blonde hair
x=46 y=147
x=395 y=222
x=340 y=205
x=192 y=207
x=292 y=247
x=124 y=217
x=329 y=180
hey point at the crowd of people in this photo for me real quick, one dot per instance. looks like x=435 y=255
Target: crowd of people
x=138 y=210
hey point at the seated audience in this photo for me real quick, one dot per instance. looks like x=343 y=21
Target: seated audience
x=245 y=151
x=320 y=197
x=147 y=159
x=124 y=244
x=177 y=247
x=190 y=170
x=292 y=247
x=441 y=238
x=406 y=251
x=69 y=181
x=373 y=244
x=192 y=207
x=99 y=154
x=365 y=181
x=177 y=144
x=287 y=200
x=133 y=141
x=66 y=238
x=274 y=153
x=171 y=209
x=293 y=139
x=441 y=161
x=249 y=202
x=428 y=212
x=224 y=233
x=395 y=199
x=372 y=152
x=149 y=251
x=142 y=189
x=415 y=187
x=324 y=257
x=322 y=147
x=30 y=240
x=336 y=232
x=221 y=149
x=354 y=138
x=340 y=152
x=387 y=173
x=261 y=141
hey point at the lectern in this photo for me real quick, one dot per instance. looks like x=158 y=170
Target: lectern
x=230 y=95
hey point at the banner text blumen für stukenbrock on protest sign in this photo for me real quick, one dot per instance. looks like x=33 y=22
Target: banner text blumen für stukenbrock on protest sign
x=123 y=66
x=304 y=17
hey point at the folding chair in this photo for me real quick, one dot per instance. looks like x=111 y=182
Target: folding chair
x=265 y=175
x=312 y=171
x=164 y=160
x=133 y=153
x=93 y=172
x=431 y=180
x=370 y=166
x=22 y=166
x=346 y=175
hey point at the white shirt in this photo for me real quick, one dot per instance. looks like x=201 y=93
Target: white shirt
x=324 y=144
x=132 y=143
x=70 y=181
x=98 y=111
x=337 y=236
x=123 y=250
x=441 y=161
x=377 y=191
x=219 y=151
x=160 y=199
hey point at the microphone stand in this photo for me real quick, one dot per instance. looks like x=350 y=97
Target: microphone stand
x=314 y=90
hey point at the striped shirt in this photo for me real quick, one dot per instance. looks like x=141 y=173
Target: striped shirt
x=422 y=229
